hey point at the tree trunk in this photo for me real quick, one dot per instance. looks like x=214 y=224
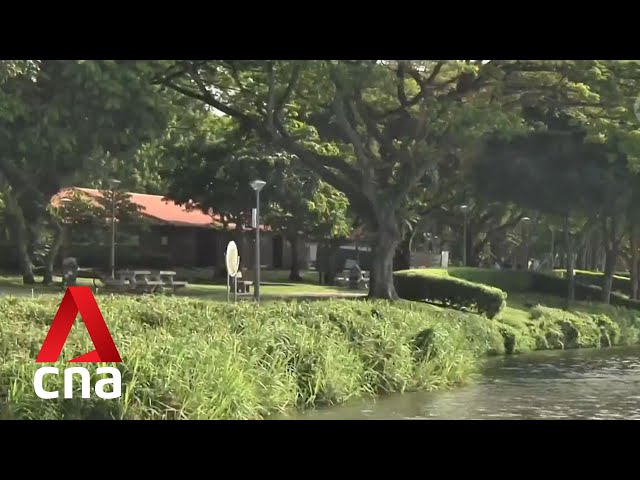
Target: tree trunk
x=585 y=253
x=327 y=253
x=612 y=250
x=634 y=263
x=609 y=268
x=294 y=274
x=53 y=253
x=571 y=293
x=26 y=265
x=386 y=241
x=402 y=256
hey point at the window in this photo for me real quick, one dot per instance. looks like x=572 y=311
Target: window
x=164 y=240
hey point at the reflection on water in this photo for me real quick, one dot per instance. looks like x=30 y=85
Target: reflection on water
x=574 y=384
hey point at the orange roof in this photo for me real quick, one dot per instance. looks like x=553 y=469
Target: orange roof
x=156 y=207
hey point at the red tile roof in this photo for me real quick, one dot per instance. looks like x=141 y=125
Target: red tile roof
x=158 y=208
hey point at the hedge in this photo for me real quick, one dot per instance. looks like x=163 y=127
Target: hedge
x=508 y=280
x=558 y=286
x=619 y=283
x=422 y=285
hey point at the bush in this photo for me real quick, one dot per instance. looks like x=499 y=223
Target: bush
x=510 y=281
x=555 y=284
x=186 y=358
x=619 y=283
x=422 y=285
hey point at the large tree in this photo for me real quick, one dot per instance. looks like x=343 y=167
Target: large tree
x=61 y=119
x=372 y=129
x=214 y=164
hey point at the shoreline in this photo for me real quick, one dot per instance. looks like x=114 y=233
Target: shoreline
x=198 y=359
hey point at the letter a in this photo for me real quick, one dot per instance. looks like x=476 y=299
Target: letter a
x=79 y=299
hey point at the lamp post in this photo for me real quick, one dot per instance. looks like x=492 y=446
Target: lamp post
x=525 y=223
x=465 y=209
x=257 y=185
x=553 y=232
x=112 y=259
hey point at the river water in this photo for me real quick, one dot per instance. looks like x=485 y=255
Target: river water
x=572 y=384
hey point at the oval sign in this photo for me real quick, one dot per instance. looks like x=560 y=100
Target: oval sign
x=232 y=259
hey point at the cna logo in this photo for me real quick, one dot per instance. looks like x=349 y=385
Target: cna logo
x=79 y=299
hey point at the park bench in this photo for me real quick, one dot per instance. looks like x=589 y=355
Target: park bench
x=143 y=281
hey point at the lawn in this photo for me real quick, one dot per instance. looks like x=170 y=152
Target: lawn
x=12 y=285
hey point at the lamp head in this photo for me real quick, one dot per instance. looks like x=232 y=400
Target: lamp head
x=257 y=185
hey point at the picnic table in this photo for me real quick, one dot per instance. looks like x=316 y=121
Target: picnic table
x=143 y=281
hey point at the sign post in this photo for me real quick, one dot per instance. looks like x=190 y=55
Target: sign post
x=232 y=261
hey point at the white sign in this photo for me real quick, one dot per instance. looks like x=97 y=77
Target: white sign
x=254 y=218
x=232 y=259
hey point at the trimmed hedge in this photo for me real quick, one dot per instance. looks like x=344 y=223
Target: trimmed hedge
x=554 y=284
x=558 y=286
x=619 y=284
x=507 y=280
x=422 y=285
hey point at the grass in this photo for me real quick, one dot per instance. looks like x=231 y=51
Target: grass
x=192 y=357
x=12 y=285
x=186 y=358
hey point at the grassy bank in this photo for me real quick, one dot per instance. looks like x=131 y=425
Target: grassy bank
x=187 y=358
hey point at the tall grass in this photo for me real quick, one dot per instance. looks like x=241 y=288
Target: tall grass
x=192 y=359
x=185 y=358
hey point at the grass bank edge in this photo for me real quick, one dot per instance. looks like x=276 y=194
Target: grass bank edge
x=188 y=358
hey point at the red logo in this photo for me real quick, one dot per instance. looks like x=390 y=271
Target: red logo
x=79 y=299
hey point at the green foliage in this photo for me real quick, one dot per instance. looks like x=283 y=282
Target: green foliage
x=422 y=285
x=202 y=360
x=538 y=282
x=507 y=280
x=215 y=164
x=619 y=283
x=191 y=359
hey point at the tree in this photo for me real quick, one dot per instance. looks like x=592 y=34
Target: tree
x=213 y=169
x=63 y=118
x=371 y=129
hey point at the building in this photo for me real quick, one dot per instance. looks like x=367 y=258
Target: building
x=174 y=236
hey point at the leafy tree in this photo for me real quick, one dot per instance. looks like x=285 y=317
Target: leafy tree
x=62 y=119
x=371 y=129
x=214 y=167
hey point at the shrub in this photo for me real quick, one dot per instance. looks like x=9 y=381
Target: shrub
x=619 y=283
x=510 y=281
x=421 y=285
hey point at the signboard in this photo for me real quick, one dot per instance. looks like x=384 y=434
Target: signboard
x=232 y=259
x=254 y=216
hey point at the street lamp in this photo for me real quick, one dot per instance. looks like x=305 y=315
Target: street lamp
x=113 y=183
x=525 y=222
x=553 y=233
x=465 y=209
x=257 y=185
